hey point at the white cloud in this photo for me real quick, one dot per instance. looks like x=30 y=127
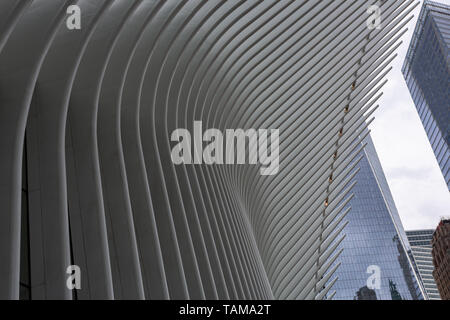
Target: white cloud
x=411 y=169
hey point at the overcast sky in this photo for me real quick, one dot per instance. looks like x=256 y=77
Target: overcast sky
x=411 y=169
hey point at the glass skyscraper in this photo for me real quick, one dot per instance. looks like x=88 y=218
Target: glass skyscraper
x=375 y=241
x=420 y=242
x=427 y=73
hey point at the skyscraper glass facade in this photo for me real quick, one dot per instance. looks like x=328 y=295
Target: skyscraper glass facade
x=420 y=242
x=427 y=74
x=375 y=243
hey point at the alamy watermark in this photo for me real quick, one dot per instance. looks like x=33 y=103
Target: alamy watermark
x=73 y=21
x=228 y=148
x=74 y=279
x=374 y=280
x=374 y=20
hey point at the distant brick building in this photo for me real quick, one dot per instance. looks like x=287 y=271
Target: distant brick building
x=441 y=258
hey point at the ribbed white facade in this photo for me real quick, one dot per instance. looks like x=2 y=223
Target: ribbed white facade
x=97 y=107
